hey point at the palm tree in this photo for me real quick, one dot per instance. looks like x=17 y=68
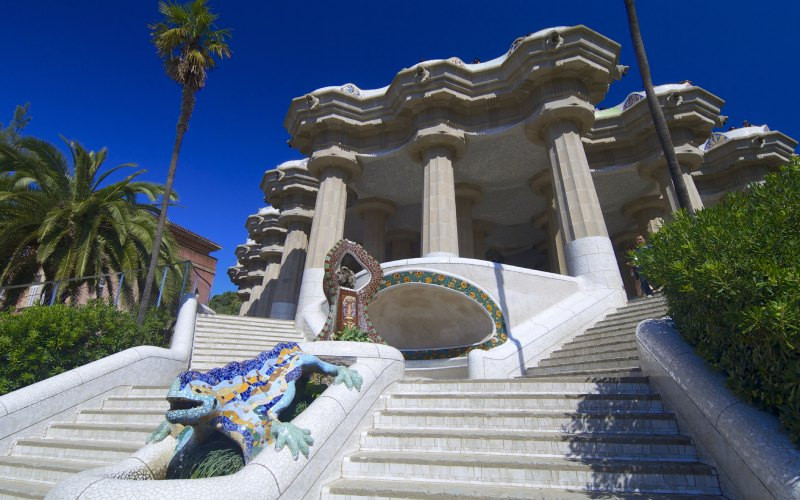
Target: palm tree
x=188 y=41
x=662 y=131
x=64 y=222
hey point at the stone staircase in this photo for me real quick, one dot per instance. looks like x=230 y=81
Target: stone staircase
x=219 y=338
x=583 y=423
x=120 y=425
x=93 y=438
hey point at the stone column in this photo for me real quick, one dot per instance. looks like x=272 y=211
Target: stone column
x=481 y=230
x=334 y=167
x=268 y=284
x=579 y=210
x=328 y=225
x=648 y=212
x=437 y=148
x=293 y=259
x=542 y=184
x=375 y=212
x=467 y=195
x=403 y=243
x=661 y=174
x=439 y=224
x=558 y=122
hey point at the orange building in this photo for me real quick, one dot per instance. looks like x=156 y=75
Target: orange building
x=197 y=250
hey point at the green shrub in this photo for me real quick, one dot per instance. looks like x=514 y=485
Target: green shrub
x=43 y=341
x=351 y=333
x=731 y=276
x=226 y=303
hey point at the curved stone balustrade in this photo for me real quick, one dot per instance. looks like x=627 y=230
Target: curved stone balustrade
x=335 y=416
x=754 y=456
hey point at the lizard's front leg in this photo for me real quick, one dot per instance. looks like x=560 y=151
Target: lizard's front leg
x=286 y=433
x=350 y=378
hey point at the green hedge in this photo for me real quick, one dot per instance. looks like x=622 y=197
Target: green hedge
x=43 y=341
x=731 y=277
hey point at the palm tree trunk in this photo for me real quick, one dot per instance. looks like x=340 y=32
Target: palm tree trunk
x=662 y=131
x=187 y=106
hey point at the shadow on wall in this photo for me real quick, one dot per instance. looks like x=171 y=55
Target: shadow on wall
x=501 y=299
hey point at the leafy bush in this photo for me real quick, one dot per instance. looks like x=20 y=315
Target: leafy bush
x=731 y=276
x=351 y=333
x=226 y=303
x=43 y=341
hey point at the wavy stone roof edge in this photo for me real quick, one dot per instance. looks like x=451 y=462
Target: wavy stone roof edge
x=659 y=89
x=293 y=163
x=721 y=137
x=352 y=89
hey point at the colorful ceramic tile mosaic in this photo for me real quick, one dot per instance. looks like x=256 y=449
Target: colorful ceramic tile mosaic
x=632 y=99
x=364 y=294
x=716 y=139
x=471 y=291
x=242 y=400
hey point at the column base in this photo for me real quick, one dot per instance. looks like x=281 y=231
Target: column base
x=312 y=310
x=440 y=254
x=593 y=259
x=283 y=310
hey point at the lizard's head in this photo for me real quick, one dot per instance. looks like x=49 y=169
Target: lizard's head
x=191 y=402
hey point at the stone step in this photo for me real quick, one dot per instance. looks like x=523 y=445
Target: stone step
x=148 y=390
x=567 y=384
x=594 y=444
x=84 y=449
x=225 y=318
x=214 y=332
x=259 y=345
x=619 y=363
x=396 y=488
x=541 y=420
x=639 y=313
x=619 y=327
x=603 y=338
x=577 y=473
x=525 y=400
x=123 y=416
x=232 y=353
x=595 y=373
x=44 y=470
x=135 y=433
x=626 y=354
x=568 y=350
x=217 y=360
x=10 y=488
x=644 y=303
x=244 y=326
x=137 y=402
x=233 y=337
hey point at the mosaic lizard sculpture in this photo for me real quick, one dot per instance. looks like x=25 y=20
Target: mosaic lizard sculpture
x=242 y=400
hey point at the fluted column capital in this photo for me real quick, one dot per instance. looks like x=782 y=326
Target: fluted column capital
x=374 y=205
x=467 y=191
x=574 y=108
x=437 y=138
x=334 y=158
x=542 y=183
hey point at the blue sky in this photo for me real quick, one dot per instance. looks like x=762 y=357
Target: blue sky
x=90 y=73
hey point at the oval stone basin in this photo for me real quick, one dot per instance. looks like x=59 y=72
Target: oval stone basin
x=419 y=316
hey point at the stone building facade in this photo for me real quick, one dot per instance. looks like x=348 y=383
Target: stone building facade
x=509 y=161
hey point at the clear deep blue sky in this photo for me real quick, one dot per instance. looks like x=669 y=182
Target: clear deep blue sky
x=90 y=73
